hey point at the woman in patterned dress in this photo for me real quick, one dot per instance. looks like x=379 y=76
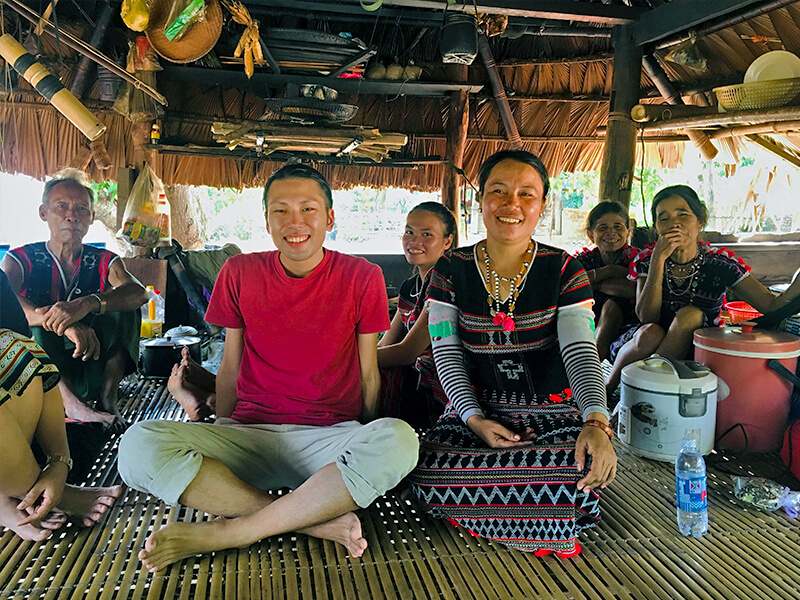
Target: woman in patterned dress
x=681 y=283
x=607 y=266
x=30 y=405
x=33 y=501
x=512 y=330
x=404 y=352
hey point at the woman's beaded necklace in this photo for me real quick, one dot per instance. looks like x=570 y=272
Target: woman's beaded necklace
x=500 y=317
x=417 y=287
x=685 y=283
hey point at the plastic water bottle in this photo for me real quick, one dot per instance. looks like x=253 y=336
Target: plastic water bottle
x=690 y=478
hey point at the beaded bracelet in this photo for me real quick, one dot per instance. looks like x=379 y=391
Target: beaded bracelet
x=604 y=426
x=54 y=458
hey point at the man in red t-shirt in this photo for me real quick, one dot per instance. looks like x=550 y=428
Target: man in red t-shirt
x=298 y=370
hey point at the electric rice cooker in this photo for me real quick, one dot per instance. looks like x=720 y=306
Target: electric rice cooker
x=664 y=401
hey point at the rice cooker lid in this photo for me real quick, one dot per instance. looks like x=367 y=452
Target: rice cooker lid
x=756 y=342
x=655 y=374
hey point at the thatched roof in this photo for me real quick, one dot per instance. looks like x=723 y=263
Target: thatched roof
x=558 y=86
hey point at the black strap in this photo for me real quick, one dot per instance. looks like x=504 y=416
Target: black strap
x=197 y=301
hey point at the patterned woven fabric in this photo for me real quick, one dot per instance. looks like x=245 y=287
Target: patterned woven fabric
x=22 y=359
x=525 y=498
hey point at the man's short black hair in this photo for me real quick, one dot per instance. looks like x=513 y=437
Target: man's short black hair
x=299 y=171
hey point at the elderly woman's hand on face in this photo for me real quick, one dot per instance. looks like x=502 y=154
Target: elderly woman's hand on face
x=594 y=442
x=667 y=243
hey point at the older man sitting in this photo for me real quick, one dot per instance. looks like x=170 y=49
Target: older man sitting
x=80 y=301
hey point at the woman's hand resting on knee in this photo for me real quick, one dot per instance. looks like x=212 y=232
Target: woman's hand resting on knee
x=498 y=436
x=46 y=492
x=594 y=442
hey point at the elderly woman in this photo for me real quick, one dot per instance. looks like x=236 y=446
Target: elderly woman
x=681 y=283
x=517 y=457
x=607 y=266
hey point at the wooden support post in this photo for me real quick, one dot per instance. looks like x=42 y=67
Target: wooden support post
x=619 y=152
x=456 y=135
x=125 y=179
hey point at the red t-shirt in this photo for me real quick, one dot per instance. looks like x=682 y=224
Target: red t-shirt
x=300 y=358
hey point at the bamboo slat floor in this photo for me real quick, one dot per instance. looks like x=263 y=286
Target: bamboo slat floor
x=636 y=552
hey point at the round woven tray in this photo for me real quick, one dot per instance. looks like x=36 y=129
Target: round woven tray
x=196 y=42
x=311 y=109
x=758 y=94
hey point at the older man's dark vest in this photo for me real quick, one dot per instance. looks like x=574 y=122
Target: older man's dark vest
x=44 y=282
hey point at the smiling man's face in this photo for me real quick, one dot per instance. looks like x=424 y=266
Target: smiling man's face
x=297 y=219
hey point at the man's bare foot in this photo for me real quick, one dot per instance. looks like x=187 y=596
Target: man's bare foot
x=346 y=530
x=10 y=517
x=177 y=541
x=88 y=504
x=196 y=374
x=194 y=400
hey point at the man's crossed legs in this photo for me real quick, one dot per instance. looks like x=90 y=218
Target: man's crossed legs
x=225 y=469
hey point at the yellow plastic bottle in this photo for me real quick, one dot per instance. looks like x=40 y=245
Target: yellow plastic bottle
x=152 y=314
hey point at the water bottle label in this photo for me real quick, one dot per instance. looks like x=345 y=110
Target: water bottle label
x=692 y=494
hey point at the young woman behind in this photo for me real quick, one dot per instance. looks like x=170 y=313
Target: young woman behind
x=430 y=231
x=607 y=267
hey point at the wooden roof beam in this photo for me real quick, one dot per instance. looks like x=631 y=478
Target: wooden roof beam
x=555 y=10
x=259 y=83
x=679 y=16
x=408 y=16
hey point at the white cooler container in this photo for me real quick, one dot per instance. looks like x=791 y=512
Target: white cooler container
x=664 y=401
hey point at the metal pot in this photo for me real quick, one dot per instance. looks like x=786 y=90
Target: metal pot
x=160 y=354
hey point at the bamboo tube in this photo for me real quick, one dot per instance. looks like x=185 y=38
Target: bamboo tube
x=644 y=113
x=700 y=140
x=50 y=87
x=503 y=107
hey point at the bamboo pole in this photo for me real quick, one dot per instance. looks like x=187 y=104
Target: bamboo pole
x=50 y=87
x=784 y=127
x=749 y=117
x=671 y=95
x=82 y=47
x=499 y=92
x=645 y=113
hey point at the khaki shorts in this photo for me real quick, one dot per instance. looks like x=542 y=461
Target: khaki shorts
x=163 y=457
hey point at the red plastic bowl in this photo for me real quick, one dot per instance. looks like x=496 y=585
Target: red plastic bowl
x=741 y=311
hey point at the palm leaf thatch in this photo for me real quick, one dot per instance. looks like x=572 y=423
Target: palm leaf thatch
x=558 y=88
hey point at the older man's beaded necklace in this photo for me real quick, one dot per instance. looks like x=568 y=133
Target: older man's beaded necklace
x=505 y=318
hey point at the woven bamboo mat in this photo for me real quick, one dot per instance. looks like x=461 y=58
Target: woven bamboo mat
x=636 y=551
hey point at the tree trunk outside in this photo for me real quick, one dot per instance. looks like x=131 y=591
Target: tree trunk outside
x=185 y=219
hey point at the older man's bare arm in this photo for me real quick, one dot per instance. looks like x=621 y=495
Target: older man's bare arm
x=127 y=294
